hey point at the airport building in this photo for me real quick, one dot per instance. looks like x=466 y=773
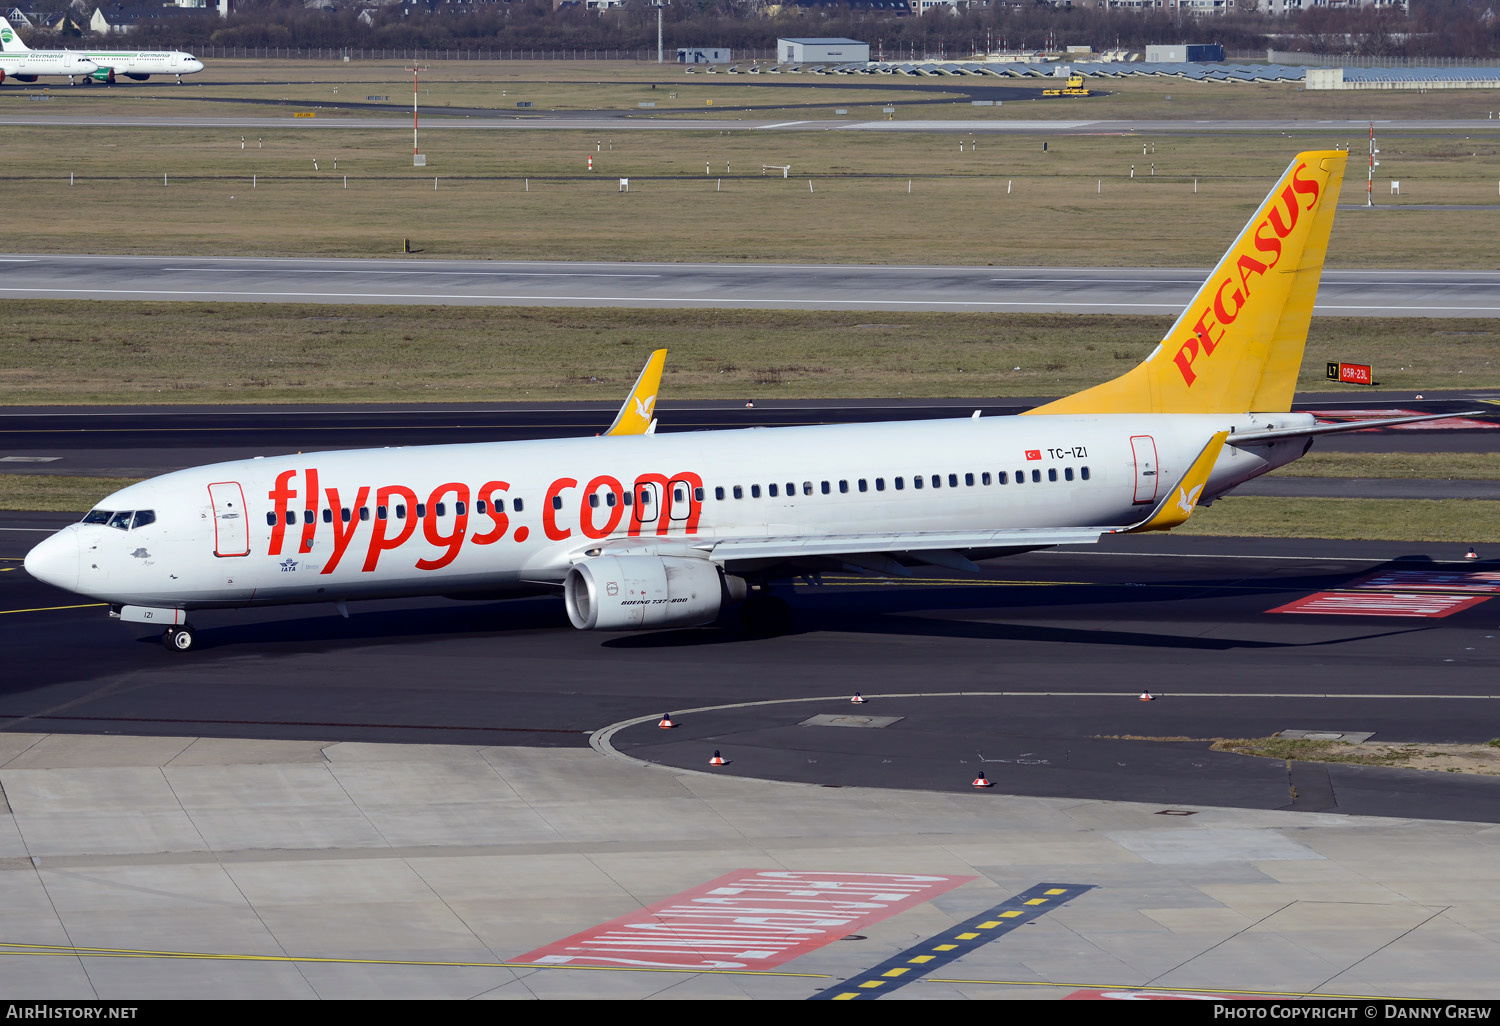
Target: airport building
x=703 y=55
x=821 y=51
x=1184 y=53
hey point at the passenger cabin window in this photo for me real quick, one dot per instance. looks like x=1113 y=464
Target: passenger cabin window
x=1067 y=473
x=806 y=487
x=421 y=510
x=328 y=516
x=719 y=492
x=518 y=505
x=1051 y=473
x=824 y=487
x=937 y=480
x=771 y=490
x=791 y=489
x=459 y=507
x=344 y=514
x=401 y=512
x=916 y=481
x=755 y=491
x=308 y=516
x=593 y=500
x=739 y=492
x=1002 y=478
x=953 y=480
x=1036 y=477
x=880 y=484
x=1020 y=477
x=380 y=513
x=863 y=485
x=1083 y=472
x=900 y=484
x=697 y=495
x=270 y=518
x=364 y=512
x=983 y=478
x=969 y=480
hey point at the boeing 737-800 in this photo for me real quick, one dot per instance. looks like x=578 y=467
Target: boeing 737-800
x=24 y=64
x=106 y=64
x=637 y=530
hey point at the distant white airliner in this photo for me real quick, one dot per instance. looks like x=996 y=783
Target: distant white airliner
x=23 y=64
x=639 y=530
x=133 y=64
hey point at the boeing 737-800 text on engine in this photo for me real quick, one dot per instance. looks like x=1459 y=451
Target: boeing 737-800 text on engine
x=639 y=530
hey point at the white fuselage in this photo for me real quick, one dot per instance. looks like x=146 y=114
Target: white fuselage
x=35 y=63
x=145 y=62
x=509 y=516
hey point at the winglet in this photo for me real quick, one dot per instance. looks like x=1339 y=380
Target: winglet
x=635 y=417
x=1183 y=498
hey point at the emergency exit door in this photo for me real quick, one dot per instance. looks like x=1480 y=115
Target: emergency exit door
x=231 y=526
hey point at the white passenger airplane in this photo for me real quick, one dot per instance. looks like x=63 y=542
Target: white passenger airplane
x=639 y=530
x=24 y=64
x=133 y=64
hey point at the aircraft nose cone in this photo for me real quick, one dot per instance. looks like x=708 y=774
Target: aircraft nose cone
x=56 y=560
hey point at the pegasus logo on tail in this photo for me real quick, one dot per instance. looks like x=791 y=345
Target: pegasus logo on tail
x=1186 y=500
x=643 y=406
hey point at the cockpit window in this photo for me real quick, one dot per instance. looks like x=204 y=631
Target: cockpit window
x=97 y=516
x=143 y=517
x=120 y=521
x=123 y=520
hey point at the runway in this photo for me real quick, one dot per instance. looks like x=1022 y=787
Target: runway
x=1348 y=293
x=1336 y=130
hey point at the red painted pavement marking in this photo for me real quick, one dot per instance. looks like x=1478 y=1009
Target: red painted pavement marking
x=1446 y=424
x=751 y=918
x=1486 y=581
x=1381 y=603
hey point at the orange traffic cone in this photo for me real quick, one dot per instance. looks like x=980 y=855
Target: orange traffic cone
x=717 y=760
x=666 y=722
x=1471 y=554
x=979 y=781
x=858 y=699
x=1147 y=697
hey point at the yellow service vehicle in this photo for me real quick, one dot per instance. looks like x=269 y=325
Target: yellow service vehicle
x=1073 y=88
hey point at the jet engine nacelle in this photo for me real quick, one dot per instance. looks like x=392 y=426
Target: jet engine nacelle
x=25 y=78
x=626 y=593
x=136 y=76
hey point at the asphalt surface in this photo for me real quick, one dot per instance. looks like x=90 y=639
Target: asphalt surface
x=1367 y=293
x=1032 y=671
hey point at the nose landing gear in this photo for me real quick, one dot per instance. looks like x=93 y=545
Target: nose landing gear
x=180 y=638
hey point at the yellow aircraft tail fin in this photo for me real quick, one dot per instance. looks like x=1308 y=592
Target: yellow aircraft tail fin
x=1238 y=345
x=635 y=417
x=1183 y=499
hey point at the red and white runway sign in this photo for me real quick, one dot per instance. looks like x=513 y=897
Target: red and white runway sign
x=748 y=919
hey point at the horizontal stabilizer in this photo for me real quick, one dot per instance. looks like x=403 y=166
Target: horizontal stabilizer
x=1277 y=434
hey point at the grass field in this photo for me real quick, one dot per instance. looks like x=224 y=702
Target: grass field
x=298 y=85
x=71 y=352
x=853 y=197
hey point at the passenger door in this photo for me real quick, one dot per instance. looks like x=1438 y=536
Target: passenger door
x=1143 y=447
x=231 y=526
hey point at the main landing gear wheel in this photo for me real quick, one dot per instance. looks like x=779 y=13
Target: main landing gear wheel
x=180 y=639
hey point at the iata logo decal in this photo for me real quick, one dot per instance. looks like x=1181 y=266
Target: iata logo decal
x=1233 y=292
x=288 y=566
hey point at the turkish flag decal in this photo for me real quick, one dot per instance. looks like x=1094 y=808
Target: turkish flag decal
x=1033 y=454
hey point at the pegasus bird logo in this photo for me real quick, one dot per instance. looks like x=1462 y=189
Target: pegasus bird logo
x=1186 y=500
x=643 y=406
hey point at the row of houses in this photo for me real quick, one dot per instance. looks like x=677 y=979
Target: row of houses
x=111 y=19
